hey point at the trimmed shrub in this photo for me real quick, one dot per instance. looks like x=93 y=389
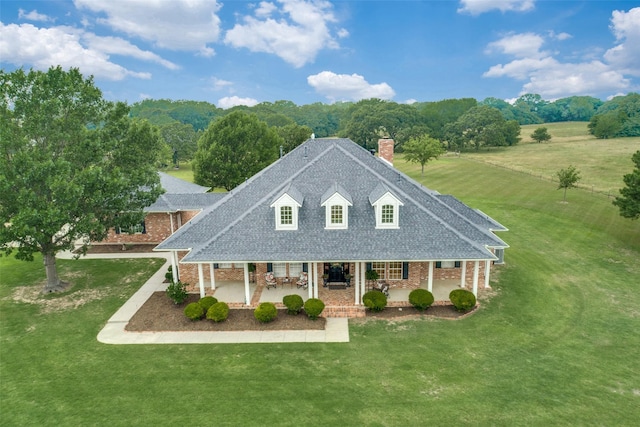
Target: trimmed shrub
x=194 y=311
x=462 y=299
x=177 y=292
x=207 y=302
x=266 y=312
x=374 y=300
x=218 y=312
x=313 y=307
x=421 y=299
x=169 y=274
x=293 y=303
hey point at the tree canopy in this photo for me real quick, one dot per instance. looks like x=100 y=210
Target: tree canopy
x=618 y=117
x=73 y=165
x=567 y=178
x=540 y=135
x=234 y=148
x=629 y=200
x=481 y=126
x=422 y=149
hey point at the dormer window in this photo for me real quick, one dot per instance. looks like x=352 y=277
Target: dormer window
x=336 y=202
x=286 y=208
x=387 y=207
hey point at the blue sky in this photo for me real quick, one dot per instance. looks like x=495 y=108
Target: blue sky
x=240 y=52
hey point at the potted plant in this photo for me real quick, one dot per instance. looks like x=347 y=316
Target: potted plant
x=325 y=280
x=347 y=278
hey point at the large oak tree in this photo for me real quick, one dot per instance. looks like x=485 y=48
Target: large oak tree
x=71 y=165
x=234 y=148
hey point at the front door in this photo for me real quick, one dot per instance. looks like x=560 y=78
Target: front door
x=336 y=271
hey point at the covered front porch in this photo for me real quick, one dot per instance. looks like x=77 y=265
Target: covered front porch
x=338 y=302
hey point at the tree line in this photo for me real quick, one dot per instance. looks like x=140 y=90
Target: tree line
x=459 y=123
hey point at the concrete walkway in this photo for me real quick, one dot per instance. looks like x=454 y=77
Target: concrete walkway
x=336 y=329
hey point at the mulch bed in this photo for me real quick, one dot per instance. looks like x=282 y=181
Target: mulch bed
x=159 y=313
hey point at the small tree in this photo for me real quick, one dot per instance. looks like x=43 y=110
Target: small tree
x=567 y=178
x=422 y=149
x=540 y=135
x=629 y=200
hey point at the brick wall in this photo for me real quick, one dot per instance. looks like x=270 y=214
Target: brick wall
x=157 y=227
x=385 y=149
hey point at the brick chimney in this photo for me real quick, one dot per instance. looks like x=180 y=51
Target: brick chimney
x=385 y=150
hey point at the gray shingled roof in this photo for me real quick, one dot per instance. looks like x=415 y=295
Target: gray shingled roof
x=241 y=226
x=173 y=185
x=182 y=195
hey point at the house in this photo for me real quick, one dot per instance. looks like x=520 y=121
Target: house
x=180 y=202
x=331 y=209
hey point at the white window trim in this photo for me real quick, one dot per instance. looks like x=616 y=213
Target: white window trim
x=388 y=199
x=286 y=200
x=337 y=200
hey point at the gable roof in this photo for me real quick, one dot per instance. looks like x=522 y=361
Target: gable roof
x=181 y=195
x=240 y=226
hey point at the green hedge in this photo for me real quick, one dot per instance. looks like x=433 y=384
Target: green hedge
x=218 y=312
x=294 y=303
x=207 y=302
x=266 y=312
x=313 y=307
x=421 y=299
x=462 y=299
x=194 y=311
x=374 y=300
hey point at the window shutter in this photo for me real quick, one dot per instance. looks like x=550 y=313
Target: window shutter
x=118 y=230
x=438 y=264
x=458 y=264
x=215 y=266
x=144 y=228
x=269 y=266
x=369 y=266
x=405 y=270
x=305 y=267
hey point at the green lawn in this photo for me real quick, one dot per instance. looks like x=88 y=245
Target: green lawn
x=556 y=344
x=601 y=162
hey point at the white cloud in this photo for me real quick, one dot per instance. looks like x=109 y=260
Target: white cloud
x=232 y=101
x=626 y=55
x=187 y=25
x=219 y=84
x=68 y=47
x=550 y=77
x=33 y=16
x=345 y=87
x=476 y=7
x=519 y=45
x=296 y=33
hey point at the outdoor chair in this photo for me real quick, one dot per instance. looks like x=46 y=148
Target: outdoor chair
x=303 y=282
x=270 y=279
x=383 y=287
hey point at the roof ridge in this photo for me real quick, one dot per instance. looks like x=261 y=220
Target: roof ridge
x=259 y=202
x=390 y=185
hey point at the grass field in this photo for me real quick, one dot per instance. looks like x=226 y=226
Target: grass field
x=556 y=344
x=601 y=162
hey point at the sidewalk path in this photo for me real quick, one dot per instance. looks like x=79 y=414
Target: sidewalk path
x=336 y=329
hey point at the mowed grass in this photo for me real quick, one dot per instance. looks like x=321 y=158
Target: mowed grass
x=602 y=162
x=555 y=344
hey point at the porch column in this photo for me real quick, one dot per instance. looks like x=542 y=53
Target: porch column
x=171 y=220
x=430 y=278
x=356 y=283
x=174 y=265
x=312 y=266
x=363 y=279
x=201 y=279
x=315 y=280
x=463 y=274
x=476 y=269
x=212 y=276
x=487 y=269
x=247 y=291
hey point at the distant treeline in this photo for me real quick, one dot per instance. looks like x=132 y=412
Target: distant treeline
x=365 y=121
